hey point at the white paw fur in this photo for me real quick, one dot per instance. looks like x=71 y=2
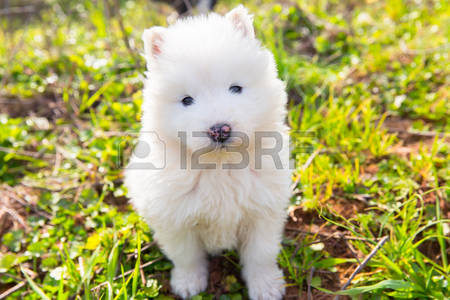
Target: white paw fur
x=188 y=283
x=266 y=286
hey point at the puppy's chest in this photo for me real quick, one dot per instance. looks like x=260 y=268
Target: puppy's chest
x=223 y=200
x=220 y=192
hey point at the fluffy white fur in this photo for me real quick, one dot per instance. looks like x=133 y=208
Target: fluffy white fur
x=198 y=211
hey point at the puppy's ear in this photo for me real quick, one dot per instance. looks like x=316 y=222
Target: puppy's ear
x=242 y=20
x=153 y=39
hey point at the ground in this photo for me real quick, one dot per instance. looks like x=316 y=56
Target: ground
x=368 y=85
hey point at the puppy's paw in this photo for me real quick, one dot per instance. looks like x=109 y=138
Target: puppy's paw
x=187 y=283
x=266 y=285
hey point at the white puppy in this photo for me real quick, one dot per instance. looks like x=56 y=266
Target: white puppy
x=212 y=171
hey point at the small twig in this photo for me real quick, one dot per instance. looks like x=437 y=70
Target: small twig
x=311 y=273
x=353 y=251
x=12 y=290
x=364 y=263
x=332 y=57
x=311 y=158
x=140 y=267
x=144 y=248
x=18 y=286
x=144 y=282
x=306 y=165
x=23 y=202
x=78 y=192
x=67 y=155
x=148 y=246
x=57 y=165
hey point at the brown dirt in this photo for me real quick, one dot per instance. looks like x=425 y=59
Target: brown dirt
x=47 y=106
x=408 y=138
x=430 y=199
x=222 y=272
x=348 y=207
x=302 y=223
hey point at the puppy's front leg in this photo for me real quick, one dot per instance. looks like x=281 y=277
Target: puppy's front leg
x=258 y=252
x=190 y=273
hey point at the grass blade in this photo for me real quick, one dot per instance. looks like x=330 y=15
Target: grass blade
x=136 y=267
x=34 y=286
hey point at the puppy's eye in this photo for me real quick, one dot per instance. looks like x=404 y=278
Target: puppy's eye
x=187 y=101
x=235 y=89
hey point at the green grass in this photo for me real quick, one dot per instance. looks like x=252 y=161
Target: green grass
x=368 y=86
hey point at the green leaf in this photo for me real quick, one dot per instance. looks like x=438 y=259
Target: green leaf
x=7 y=261
x=331 y=262
x=136 y=267
x=13 y=240
x=385 y=284
x=88 y=103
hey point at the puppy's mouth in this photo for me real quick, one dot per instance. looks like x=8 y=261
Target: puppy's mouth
x=223 y=146
x=232 y=144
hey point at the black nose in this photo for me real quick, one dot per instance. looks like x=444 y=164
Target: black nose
x=219 y=132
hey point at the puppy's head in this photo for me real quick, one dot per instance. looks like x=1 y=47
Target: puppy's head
x=210 y=78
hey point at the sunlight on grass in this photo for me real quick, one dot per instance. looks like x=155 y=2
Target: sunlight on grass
x=368 y=85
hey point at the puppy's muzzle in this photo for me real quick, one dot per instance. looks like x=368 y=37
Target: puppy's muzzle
x=220 y=132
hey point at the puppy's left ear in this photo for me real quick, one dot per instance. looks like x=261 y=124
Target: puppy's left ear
x=242 y=21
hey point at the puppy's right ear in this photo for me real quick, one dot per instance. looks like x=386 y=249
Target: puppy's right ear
x=153 y=39
x=242 y=20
